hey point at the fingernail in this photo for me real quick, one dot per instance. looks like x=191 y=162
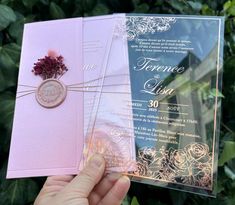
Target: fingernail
x=97 y=160
x=114 y=176
x=124 y=180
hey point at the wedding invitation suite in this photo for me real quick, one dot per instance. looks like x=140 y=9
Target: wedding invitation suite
x=142 y=90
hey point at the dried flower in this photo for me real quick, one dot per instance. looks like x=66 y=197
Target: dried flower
x=50 y=66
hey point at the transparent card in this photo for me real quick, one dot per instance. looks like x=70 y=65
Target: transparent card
x=169 y=129
x=111 y=131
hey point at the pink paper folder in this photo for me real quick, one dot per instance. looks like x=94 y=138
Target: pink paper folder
x=49 y=141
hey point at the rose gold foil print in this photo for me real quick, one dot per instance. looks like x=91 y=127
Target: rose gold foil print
x=115 y=149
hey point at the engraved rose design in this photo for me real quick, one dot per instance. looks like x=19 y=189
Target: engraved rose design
x=189 y=165
x=205 y=178
x=178 y=159
x=138 y=25
x=202 y=178
x=113 y=143
x=141 y=169
x=147 y=154
x=197 y=151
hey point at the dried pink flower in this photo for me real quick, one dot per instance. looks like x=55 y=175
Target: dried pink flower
x=50 y=67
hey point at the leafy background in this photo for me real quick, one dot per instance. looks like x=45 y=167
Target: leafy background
x=13 y=15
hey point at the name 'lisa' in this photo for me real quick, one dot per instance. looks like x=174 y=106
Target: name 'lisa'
x=155 y=87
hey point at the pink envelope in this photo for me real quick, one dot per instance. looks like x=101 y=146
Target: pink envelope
x=50 y=141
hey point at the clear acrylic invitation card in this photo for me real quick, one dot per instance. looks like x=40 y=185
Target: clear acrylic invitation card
x=175 y=73
x=172 y=111
x=110 y=131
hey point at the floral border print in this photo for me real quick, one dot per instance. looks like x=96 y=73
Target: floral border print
x=138 y=25
x=191 y=165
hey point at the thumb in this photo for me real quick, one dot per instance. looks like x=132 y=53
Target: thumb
x=88 y=177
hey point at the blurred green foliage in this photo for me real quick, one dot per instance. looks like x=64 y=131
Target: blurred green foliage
x=13 y=15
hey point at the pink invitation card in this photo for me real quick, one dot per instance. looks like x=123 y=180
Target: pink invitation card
x=61 y=60
x=48 y=141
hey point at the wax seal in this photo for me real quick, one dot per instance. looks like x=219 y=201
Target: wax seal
x=51 y=93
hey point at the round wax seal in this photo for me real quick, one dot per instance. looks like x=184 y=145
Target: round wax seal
x=51 y=93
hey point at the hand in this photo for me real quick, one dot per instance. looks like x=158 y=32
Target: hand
x=88 y=188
